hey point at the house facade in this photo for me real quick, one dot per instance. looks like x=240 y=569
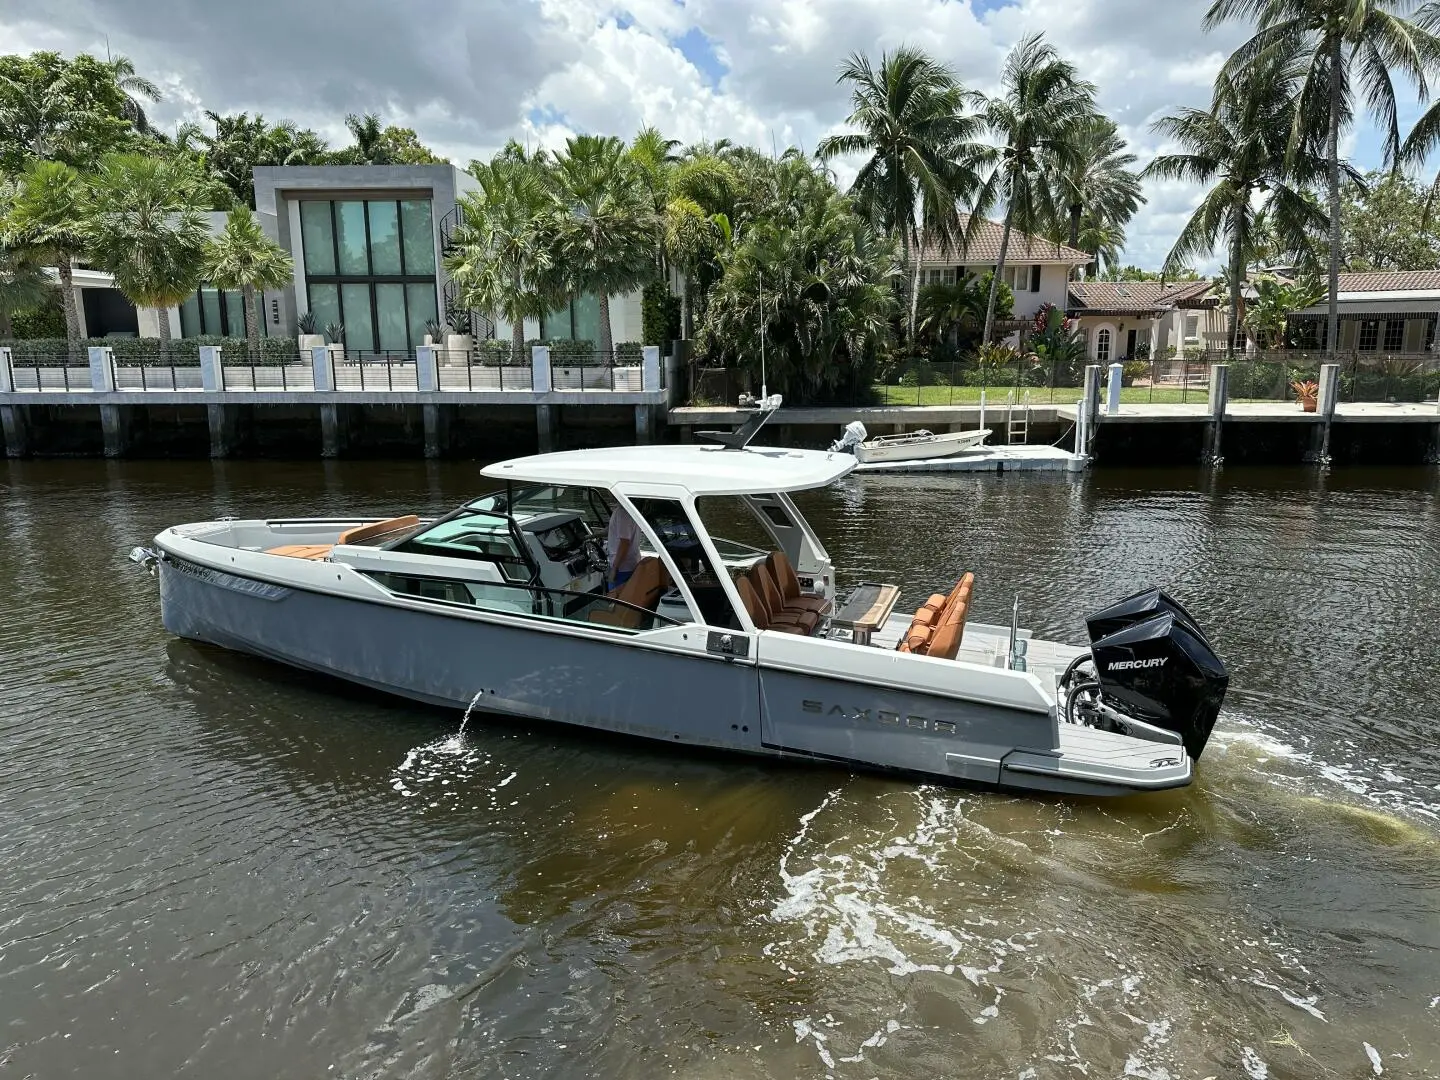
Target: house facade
x=1037 y=271
x=1134 y=320
x=1390 y=313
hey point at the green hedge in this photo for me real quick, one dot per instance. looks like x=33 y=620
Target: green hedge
x=183 y=351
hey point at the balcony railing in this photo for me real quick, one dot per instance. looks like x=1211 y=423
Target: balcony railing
x=333 y=368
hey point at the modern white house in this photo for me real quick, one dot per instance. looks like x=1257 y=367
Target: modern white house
x=1385 y=313
x=1128 y=320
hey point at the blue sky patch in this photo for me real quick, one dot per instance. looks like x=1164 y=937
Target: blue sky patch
x=697 y=48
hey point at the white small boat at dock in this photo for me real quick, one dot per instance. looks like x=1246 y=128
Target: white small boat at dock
x=919 y=445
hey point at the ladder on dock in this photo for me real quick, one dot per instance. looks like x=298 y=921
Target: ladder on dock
x=1017 y=419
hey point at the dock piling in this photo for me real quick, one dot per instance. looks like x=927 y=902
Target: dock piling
x=1328 y=397
x=115 y=426
x=1212 y=454
x=224 y=421
x=1112 y=389
x=16 y=431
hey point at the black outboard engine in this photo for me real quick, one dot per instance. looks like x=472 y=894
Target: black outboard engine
x=1152 y=664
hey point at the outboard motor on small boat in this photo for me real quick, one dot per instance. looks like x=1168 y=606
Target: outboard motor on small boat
x=853 y=435
x=1150 y=665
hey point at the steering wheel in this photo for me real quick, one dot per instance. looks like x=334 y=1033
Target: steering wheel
x=595 y=552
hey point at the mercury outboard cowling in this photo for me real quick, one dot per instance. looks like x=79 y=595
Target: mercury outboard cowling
x=1154 y=663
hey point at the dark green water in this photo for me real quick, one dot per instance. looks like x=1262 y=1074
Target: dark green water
x=214 y=867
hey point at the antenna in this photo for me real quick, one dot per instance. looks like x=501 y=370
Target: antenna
x=764 y=391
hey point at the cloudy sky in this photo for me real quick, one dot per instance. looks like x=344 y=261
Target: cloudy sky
x=468 y=74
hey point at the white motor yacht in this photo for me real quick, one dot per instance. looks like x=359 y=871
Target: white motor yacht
x=503 y=606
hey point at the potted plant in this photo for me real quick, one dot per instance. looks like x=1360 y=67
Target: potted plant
x=335 y=336
x=434 y=332
x=1308 y=392
x=309 y=338
x=459 y=341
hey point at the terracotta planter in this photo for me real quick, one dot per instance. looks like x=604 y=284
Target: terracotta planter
x=1308 y=404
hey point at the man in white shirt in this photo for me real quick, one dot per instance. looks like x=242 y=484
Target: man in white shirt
x=622 y=545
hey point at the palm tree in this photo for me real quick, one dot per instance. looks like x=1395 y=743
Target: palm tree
x=1104 y=239
x=1239 y=147
x=606 y=227
x=1039 y=117
x=243 y=257
x=146 y=229
x=23 y=285
x=952 y=310
x=368 y=133
x=925 y=156
x=135 y=88
x=241 y=142
x=1099 y=187
x=45 y=223
x=501 y=255
x=1340 y=43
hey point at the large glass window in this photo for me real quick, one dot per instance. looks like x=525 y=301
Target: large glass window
x=234 y=304
x=319 y=238
x=419 y=236
x=384 y=238
x=1369 y=335
x=390 y=316
x=370 y=264
x=350 y=239
x=355 y=316
x=208 y=312
x=1394 y=335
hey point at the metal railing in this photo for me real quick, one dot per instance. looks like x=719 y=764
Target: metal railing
x=486 y=367
x=48 y=373
x=154 y=371
x=252 y=374
x=596 y=371
x=372 y=369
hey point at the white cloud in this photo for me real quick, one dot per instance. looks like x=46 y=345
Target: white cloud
x=468 y=74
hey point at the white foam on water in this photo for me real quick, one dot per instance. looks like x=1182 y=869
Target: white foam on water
x=1374 y=1056
x=1306 y=1003
x=450 y=772
x=1376 y=783
x=1254 y=1066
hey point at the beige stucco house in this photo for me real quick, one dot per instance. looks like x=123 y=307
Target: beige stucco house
x=1387 y=313
x=1126 y=320
x=1036 y=270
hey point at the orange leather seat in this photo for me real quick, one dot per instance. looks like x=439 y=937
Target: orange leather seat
x=776 y=612
x=643 y=589
x=756 y=610
x=313 y=552
x=789 y=585
x=939 y=623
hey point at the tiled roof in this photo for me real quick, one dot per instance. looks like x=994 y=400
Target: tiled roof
x=1390 y=281
x=1133 y=295
x=985 y=247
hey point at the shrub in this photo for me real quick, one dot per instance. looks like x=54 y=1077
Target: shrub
x=659 y=314
x=47 y=321
x=496 y=352
x=629 y=351
x=183 y=351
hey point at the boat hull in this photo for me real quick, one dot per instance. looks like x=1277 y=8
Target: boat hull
x=787 y=709
x=921 y=448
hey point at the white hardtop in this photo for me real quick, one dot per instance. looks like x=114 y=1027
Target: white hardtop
x=703 y=470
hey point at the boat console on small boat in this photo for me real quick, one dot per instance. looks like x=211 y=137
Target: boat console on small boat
x=504 y=605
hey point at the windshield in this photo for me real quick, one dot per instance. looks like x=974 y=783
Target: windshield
x=472 y=534
x=591 y=504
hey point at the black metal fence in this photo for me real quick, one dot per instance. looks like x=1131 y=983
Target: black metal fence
x=1183 y=380
x=372 y=369
x=615 y=371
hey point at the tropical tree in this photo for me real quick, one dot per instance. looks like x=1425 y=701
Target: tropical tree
x=955 y=312
x=136 y=89
x=1388 y=226
x=501 y=256
x=45 y=222
x=1343 y=46
x=1038 y=117
x=60 y=110
x=378 y=144
x=1238 y=147
x=1099 y=191
x=924 y=153
x=1268 y=313
x=145 y=227
x=23 y=285
x=814 y=282
x=604 y=220
x=240 y=142
x=243 y=257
